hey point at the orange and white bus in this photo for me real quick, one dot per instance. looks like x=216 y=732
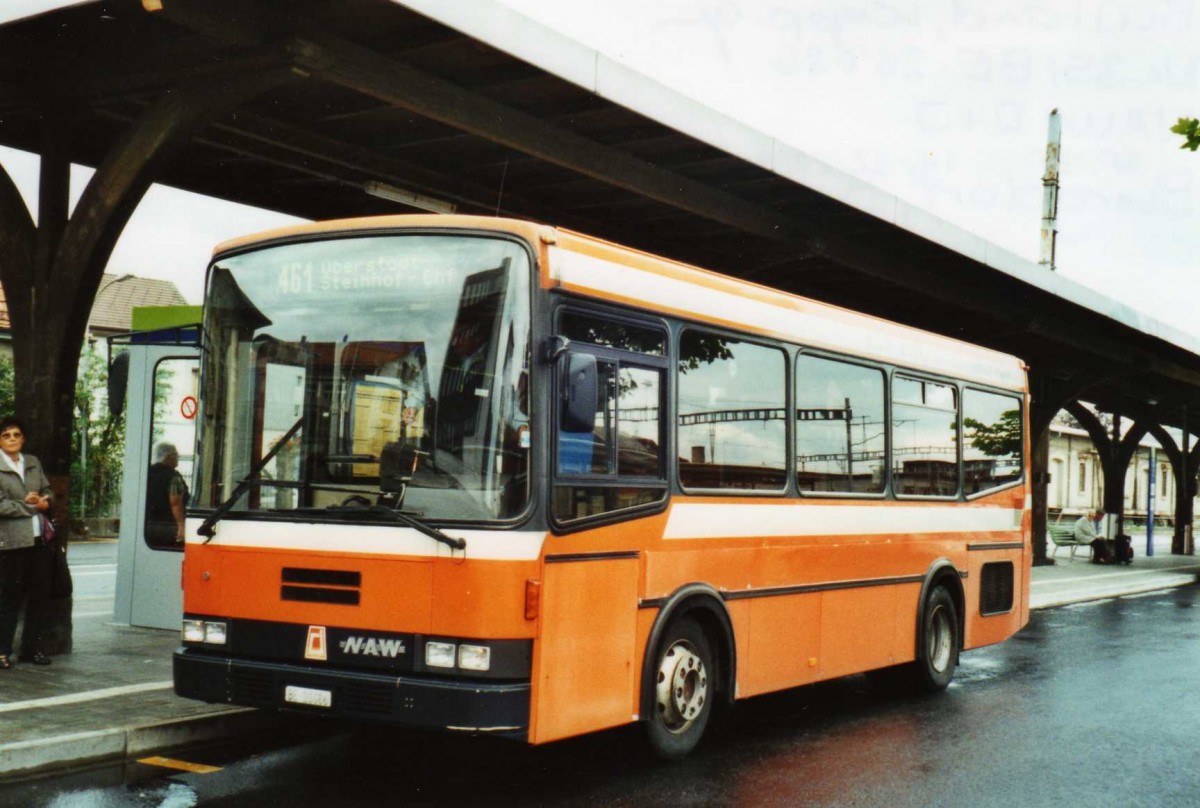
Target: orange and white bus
x=486 y=476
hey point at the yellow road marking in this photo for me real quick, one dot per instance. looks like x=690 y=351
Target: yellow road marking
x=182 y=765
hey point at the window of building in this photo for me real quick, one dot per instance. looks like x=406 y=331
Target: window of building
x=1082 y=477
x=992 y=440
x=841 y=440
x=924 y=437
x=732 y=428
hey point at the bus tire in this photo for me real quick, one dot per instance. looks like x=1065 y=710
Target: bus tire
x=684 y=690
x=940 y=642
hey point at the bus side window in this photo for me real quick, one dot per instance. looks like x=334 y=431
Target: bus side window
x=840 y=437
x=620 y=456
x=583 y=441
x=992 y=440
x=731 y=428
x=924 y=438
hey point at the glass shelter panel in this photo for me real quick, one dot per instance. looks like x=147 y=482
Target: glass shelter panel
x=172 y=446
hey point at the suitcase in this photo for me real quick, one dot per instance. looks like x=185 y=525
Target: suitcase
x=1122 y=550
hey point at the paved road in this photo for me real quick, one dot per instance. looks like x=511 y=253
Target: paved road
x=1091 y=705
x=94 y=578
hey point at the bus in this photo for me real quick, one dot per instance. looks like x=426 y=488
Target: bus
x=487 y=476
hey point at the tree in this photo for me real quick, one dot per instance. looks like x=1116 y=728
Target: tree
x=97 y=442
x=1001 y=439
x=7 y=387
x=1190 y=129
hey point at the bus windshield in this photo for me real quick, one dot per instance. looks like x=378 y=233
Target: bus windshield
x=327 y=359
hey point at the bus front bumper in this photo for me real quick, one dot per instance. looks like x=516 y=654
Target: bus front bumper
x=483 y=708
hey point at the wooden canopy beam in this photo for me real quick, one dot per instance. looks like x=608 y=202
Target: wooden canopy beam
x=400 y=85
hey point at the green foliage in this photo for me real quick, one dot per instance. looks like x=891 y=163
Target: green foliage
x=164 y=375
x=97 y=442
x=1190 y=129
x=1001 y=439
x=697 y=349
x=8 y=404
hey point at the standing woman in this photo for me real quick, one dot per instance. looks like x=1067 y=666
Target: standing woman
x=24 y=498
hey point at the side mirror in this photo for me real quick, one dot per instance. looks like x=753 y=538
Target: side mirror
x=579 y=394
x=118 y=380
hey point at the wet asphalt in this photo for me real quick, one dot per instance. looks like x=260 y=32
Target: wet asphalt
x=1090 y=705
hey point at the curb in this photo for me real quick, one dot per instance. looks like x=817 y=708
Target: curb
x=25 y=758
x=1087 y=594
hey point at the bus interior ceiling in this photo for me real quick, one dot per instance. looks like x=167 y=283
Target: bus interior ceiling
x=375 y=92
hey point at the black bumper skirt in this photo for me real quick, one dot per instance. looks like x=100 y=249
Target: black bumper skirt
x=484 y=708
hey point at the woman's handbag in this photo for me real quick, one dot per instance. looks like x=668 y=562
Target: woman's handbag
x=60 y=574
x=47 y=529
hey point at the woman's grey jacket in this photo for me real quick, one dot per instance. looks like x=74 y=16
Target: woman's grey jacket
x=16 y=524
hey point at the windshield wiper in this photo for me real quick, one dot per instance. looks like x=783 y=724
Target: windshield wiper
x=404 y=519
x=245 y=484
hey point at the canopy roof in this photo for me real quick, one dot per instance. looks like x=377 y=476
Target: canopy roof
x=476 y=106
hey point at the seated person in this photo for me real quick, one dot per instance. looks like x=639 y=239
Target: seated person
x=1086 y=533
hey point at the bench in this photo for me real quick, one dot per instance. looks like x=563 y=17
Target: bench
x=1064 y=536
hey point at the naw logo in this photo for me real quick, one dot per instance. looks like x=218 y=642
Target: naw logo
x=372 y=646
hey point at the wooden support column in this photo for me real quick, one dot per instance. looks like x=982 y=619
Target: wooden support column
x=54 y=192
x=1039 y=463
x=1181 y=495
x=1049 y=395
x=1182 y=541
x=54 y=270
x=1107 y=447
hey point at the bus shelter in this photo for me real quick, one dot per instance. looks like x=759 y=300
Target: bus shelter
x=322 y=110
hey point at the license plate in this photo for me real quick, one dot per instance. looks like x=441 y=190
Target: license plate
x=308 y=695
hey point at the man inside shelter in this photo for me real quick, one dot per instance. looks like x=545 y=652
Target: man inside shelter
x=166 y=499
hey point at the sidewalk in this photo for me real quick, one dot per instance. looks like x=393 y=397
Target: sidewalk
x=111 y=699
x=1079 y=580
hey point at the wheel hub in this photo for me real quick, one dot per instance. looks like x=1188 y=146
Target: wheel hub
x=682 y=686
x=940 y=640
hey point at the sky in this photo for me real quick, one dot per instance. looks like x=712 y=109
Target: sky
x=943 y=103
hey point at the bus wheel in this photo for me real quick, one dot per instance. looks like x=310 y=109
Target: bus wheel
x=683 y=691
x=939 y=648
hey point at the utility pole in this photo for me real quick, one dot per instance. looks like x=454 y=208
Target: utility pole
x=1050 y=191
x=848 y=415
x=1150 y=503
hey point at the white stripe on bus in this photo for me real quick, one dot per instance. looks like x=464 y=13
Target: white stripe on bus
x=494 y=545
x=716 y=520
x=808 y=323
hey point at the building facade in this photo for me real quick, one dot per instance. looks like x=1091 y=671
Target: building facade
x=1077 y=478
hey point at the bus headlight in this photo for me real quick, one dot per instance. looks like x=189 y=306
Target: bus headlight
x=193 y=631
x=474 y=657
x=214 y=632
x=206 y=631
x=439 y=654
